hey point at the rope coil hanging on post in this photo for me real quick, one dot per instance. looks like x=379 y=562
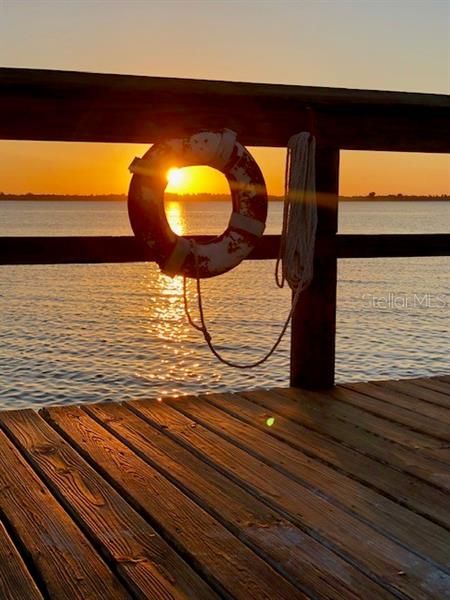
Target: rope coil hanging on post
x=296 y=255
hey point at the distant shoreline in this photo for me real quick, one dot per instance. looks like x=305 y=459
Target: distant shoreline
x=203 y=198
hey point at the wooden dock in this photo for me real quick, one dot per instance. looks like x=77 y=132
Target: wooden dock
x=279 y=494
x=276 y=494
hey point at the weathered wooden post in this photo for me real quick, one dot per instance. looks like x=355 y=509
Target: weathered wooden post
x=314 y=320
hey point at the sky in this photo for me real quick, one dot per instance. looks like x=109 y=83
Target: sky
x=377 y=44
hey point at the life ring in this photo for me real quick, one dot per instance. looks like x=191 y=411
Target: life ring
x=176 y=254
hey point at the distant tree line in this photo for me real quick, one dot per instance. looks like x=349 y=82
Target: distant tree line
x=410 y=198
x=204 y=197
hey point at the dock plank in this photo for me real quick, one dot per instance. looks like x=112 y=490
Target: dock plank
x=284 y=493
x=211 y=547
x=429 y=417
x=320 y=404
x=68 y=565
x=300 y=557
x=373 y=553
x=150 y=567
x=15 y=579
x=323 y=416
x=433 y=383
x=385 y=515
x=440 y=454
x=409 y=491
x=393 y=412
x=399 y=398
x=421 y=391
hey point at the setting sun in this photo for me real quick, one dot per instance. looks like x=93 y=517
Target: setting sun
x=175 y=178
x=195 y=179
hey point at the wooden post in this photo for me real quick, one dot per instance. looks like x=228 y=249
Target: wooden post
x=314 y=320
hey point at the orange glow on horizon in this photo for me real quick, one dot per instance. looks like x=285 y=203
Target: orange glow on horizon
x=194 y=180
x=83 y=168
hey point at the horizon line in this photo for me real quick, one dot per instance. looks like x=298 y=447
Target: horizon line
x=224 y=196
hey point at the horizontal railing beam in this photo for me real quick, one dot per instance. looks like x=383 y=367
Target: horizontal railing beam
x=105 y=249
x=71 y=106
x=396 y=245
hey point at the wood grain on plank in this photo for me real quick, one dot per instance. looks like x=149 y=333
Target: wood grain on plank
x=68 y=565
x=440 y=454
x=351 y=428
x=419 y=496
x=145 y=561
x=16 y=583
x=302 y=559
x=437 y=384
x=420 y=391
x=396 y=522
x=399 y=398
x=325 y=405
x=393 y=412
x=372 y=552
x=383 y=404
x=221 y=557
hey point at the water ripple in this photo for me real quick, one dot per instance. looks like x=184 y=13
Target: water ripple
x=89 y=333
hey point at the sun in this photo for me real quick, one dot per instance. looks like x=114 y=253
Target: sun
x=175 y=179
x=194 y=179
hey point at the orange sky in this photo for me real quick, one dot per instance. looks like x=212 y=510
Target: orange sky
x=75 y=168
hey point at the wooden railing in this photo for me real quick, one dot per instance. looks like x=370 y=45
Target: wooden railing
x=69 y=106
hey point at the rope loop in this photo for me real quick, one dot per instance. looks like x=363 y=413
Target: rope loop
x=295 y=260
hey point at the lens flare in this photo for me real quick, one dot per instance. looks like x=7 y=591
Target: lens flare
x=175 y=178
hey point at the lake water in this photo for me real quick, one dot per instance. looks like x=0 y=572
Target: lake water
x=85 y=333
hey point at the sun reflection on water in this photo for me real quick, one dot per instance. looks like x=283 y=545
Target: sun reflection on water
x=176 y=216
x=167 y=312
x=166 y=320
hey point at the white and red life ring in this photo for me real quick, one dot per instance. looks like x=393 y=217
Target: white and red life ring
x=176 y=254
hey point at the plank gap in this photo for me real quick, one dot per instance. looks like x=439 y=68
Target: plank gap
x=275 y=505
x=355 y=512
x=282 y=437
x=234 y=529
x=25 y=555
x=71 y=512
x=189 y=558
x=350 y=435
